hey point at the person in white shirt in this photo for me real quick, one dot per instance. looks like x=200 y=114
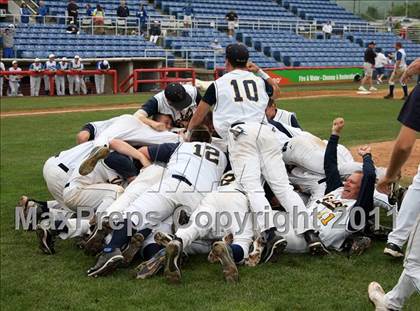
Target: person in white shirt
x=380 y=61
x=76 y=82
x=35 y=80
x=2 y=68
x=327 y=30
x=14 y=80
x=60 y=79
x=103 y=66
x=50 y=65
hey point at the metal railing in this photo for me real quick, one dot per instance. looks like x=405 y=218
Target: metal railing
x=184 y=54
x=37 y=19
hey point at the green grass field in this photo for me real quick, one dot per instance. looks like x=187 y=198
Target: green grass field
x=33 y=281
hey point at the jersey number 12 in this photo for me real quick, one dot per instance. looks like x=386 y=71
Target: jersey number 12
x=252 y=95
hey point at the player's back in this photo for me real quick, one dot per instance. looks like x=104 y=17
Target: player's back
x=241 y=97
x=73 y=157
x=202 y=164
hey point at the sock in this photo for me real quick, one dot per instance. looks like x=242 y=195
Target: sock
x=270 y=232
x=391 y=90
x=238 y=253
x=150 y=250
x=57 y=225
x=405 y=89
x=119 y=238
x=145 y=232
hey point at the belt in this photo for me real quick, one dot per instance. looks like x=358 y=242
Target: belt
x=284 y=146
x=236 y=123
x=182 y=178
x=63 y=167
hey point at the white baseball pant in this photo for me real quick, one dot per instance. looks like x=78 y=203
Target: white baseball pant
x=100 y=84
x=308 y=183
x=1 y=86
x=95 y=198
x=60 y=84
x=218 y=214
x=256 y=152
x=409 y=281
x=35 y=83
x=71 y=84
x=408 y=213
x=56 y=178
x=46 y=83
x=14 y=88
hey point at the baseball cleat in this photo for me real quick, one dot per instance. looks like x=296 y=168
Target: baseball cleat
x=46 y=239
x=94 y=243
x=359 y=245
x=223 y=253
x=163 y=238
x=172 y=271
x=362 y=89
x=98 y=153
x=393 y=250
x=274 y=246
x=373 y=88
x=254 y=256
x=152 y=266
x=132 y=248
x=316 y=248
x=389 y=96
x=396 y=196
x=106 y=264
x=377 y=296
x=29 y=205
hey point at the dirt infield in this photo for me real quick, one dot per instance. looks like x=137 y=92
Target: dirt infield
x=382 y=153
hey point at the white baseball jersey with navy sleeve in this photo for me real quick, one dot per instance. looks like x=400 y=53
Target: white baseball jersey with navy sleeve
x=35 y=67
x=401 y=56
x=238 y=96
x=51 y=65
x=14 y=78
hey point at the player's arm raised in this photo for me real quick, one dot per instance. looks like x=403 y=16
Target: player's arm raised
x=259 y=72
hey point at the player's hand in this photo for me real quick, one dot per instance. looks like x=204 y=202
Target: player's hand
x=384 y=185
x=252 y=67
x=363 y=150
x=338 y=125
x=159 y=126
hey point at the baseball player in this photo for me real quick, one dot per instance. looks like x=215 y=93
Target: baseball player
x=368 y=67
x=76 y=82
x=193 y=168
x=2 y=68
x=280 y=115
x=60 y=79
x=14 y=80
x=409 y=280
x=35 y=79
x=380 y=62
x=239 y=99
x=227 y=202
x=103 y=66
x=399 y=68
x=177 y=100
x=51 y=66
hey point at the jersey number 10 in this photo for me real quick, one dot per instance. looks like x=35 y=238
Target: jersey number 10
x=252 y=96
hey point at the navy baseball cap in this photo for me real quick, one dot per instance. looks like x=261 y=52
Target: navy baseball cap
x=372 y=42
x=237 y=54
x=177 y=97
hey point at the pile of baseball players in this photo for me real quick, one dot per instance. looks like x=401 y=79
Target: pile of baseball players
x=227 y=175
x=62 y=70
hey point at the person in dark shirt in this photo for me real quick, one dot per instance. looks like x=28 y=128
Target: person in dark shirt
x=73 y=10
x=408 y=217
x=368 y=66
x=72 y=28
x=123 y=10
x=232 y=19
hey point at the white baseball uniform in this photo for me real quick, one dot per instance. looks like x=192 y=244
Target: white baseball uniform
x=194 y=169
x=49 y=66
x=284 y=116
x=76 y=82
x=60 y=80
x=2 y=68
x=35 y=81
x=14 y=81
x=240 y=99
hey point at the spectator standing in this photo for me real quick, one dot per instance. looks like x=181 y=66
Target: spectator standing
x=73 y=11
x=24 y=13
x=389 y=23
x=122 y=10
x=60 y=79
x=368 y=67
x=155 y=32
x=2 y=68
x=188 y=14
x=380 y=61
x=8 y=41
x=43 y=11
x=98 y=17
x=14 y=80
x=327 y=30
x=76 y=82
x=232 y=19
x=103 y=66
x=35 y=79
x=142 y=16
x=50 y=66
x=72 y=28
x=89 y=10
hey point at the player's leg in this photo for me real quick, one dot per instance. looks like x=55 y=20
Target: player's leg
x=37 y=85
x=405 y=219
x=55 y=176
x=32 y=85
x=409 y=281
x=1 y=86
x=83 y=85
x=46 y=83
x=403 y=85
x=391 y=83
x=71 y=84
x=77 y=84
x=98 y=90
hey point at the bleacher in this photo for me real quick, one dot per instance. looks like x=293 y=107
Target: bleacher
x=321 y=11
x=386 y=41
x=37 y=40
x=218 y=8
x=201 y=39
x=295 y=50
